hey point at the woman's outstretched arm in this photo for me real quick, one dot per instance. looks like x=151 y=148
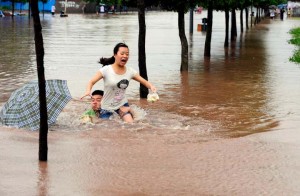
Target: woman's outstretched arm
x=144 y=82
x=98 y=76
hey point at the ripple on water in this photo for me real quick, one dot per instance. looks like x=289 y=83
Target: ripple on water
x=172 y=128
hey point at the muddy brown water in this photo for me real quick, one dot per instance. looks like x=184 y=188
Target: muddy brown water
x=201 y=138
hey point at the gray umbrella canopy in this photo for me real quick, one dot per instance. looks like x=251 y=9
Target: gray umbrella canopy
x=22 y=109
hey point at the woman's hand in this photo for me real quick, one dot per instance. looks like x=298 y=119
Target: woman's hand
x=153 y=89
x=88 y=93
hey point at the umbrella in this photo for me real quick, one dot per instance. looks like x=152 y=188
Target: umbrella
x=272 y=7
x=282 y=6
x=22 y=108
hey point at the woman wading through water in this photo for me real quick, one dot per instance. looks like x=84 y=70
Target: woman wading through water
x=116 y=76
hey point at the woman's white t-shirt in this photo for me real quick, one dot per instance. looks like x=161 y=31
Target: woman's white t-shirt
x=115 y=87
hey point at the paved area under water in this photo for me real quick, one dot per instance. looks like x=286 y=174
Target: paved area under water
x=227 y=127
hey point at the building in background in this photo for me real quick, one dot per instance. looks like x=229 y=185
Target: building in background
x=73 y=6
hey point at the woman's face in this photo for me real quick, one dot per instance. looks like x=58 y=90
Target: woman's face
x=122 y=56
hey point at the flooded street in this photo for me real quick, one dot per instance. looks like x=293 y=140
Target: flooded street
x=227 y=127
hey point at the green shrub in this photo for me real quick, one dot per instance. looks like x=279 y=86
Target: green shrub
x=296 y=57
x=296 y=41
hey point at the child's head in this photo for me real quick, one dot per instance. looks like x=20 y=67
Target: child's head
x=98 y=92
x=96 y=99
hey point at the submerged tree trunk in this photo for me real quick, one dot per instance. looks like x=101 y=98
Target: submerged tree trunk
x=233 y=25
x=241 y=20
x=29 y=8
x=43 y=9
x=226 y=43
x=251 y=15
x=39 y=49
x=13 y=8
x=256 y=18
x=247 y=18
x=259 y=15
x=184 y=43
x=207 y=46
x=141 y=45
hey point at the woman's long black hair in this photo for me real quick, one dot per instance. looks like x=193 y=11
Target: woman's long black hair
x=111 y=60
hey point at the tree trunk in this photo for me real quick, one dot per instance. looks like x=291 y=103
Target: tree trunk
x=39 y=49
x=256 y=18
x=259 y=15
x=241 y=20
x=13 y=8
x=247 y=18
x=226 y=43
x=184 y=43
x=141 y=46
x=207 y=46
x=233 y=25
x=29 y=8
x=251 y=15
x=191 y=20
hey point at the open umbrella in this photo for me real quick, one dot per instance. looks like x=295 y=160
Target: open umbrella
x=282 y=6
x=22 y=108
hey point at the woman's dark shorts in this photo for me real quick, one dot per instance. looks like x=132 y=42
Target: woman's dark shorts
x=105 y=114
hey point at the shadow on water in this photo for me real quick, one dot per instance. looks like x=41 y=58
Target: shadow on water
x=232 y=94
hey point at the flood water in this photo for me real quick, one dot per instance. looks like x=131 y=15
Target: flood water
x=249 y=88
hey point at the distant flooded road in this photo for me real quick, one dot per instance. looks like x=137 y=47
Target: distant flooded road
x=249 y=88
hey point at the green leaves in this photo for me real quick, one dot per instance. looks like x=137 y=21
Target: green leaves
x=178 y=5
x=296 y=41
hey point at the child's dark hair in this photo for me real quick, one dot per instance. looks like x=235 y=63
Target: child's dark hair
x=98 y=92
x=111 y=60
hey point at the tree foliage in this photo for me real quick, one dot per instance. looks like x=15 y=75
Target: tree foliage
x=176 y=5
x=133 y=3
x=296 y=41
